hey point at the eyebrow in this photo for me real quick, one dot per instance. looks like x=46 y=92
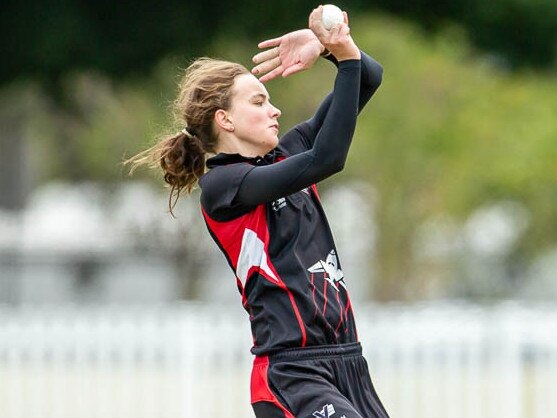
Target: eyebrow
x=259 y=95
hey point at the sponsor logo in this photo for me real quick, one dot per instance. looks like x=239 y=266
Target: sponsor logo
x=333 y=275
x=281 y=202
x=278 y=204
x=327 y=411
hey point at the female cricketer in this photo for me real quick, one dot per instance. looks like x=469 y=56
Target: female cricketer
x=261 y=206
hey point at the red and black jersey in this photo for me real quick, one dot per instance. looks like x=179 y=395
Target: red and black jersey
x=265 y=215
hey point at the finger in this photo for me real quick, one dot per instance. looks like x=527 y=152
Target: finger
x=339 y=31
x=270 y=42
x=344 y=30
x=293 y=69
x=266 y=55
x=316 y=23
x=266 y=66
x=315 y=14
x=345 y=17
x=334 y=33
x=315 y=17
x=273 y=74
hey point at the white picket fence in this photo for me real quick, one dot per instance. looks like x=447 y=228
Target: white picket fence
x=193 y=361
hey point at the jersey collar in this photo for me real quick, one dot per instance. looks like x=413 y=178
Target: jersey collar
x=225 y=159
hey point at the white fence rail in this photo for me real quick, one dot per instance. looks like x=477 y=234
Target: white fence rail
x=193 y=360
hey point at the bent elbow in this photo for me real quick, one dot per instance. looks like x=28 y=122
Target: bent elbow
x=377 y=77
x=334 y=166
x=338 y=166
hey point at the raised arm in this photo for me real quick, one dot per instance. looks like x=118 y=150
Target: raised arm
x=330 y=148
x=370 y=79
x=297 y=51
x=326 y=157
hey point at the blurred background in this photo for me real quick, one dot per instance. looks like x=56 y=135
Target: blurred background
x=445 y=217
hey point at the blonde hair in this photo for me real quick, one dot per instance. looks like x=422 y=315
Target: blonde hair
x=205 y=87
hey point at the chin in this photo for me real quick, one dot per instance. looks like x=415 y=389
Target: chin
x=271 y=145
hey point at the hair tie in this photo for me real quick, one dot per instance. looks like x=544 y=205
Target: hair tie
x=190 y=134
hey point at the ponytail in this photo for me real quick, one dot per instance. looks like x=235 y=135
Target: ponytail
x=182 y=159
x=206 y=87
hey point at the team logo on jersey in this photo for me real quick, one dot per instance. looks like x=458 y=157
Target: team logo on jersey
x=333 y=275
x=327 y=411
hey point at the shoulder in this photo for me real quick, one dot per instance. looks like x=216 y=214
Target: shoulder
x=220 y=185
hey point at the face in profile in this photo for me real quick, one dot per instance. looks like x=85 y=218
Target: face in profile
x=254 y=118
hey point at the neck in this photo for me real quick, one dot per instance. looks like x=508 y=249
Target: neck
x=230 y=144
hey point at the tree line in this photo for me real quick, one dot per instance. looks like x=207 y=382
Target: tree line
x=46 y=39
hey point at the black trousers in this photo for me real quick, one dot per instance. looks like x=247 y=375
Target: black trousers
x=315 y=382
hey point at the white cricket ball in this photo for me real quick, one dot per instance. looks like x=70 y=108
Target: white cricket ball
x=332 y=16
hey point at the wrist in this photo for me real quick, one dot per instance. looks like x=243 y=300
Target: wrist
x=349 y=57
x=325 y=53
x=349 y=54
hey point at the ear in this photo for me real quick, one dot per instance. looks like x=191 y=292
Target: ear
x=222 y=119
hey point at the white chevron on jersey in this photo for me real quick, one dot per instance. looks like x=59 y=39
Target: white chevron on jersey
x=252 y=254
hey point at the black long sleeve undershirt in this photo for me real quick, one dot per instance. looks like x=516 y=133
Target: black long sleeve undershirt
x=370 y=80
x=326 y=137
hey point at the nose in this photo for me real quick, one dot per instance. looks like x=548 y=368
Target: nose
x=275 y=112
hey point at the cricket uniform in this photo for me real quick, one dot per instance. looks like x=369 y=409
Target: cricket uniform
x=265 y=215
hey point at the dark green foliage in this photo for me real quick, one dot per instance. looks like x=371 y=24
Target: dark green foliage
x=521 y=32
x=44 y=39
